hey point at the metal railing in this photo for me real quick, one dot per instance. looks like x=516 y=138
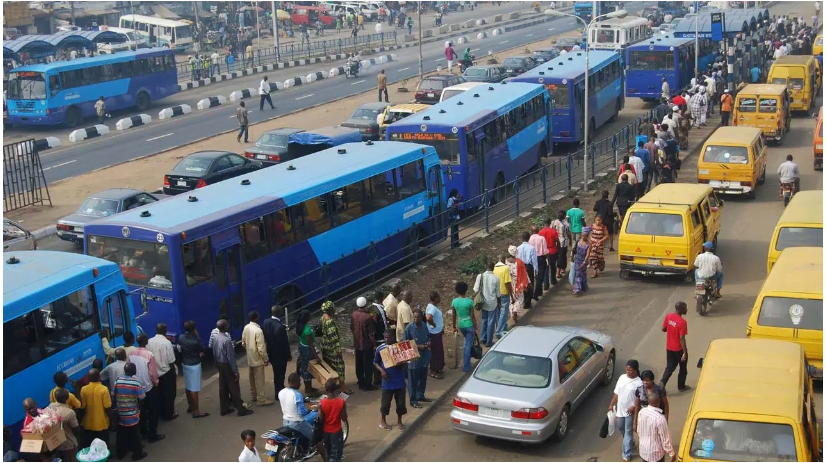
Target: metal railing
x=286 y=52
x=23 y=181
x=559 y=176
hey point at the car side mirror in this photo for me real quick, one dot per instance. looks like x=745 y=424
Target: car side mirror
x=599 y=347
x=700 y=363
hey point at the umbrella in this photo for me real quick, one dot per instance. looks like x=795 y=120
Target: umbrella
x=282 y=15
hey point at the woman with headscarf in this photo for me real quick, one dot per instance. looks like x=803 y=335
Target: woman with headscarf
x=579 y=266
x=597 y=237
x=519 y=277
x=331 y=343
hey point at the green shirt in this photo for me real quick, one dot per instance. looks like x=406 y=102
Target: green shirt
x=463 y=307
x=306 y=335
x=575 y=216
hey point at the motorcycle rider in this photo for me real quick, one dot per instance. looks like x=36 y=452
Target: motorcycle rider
x=789 y=173
x=353 y=64
x=708 y=265
x=295 y=413
x=467 y=59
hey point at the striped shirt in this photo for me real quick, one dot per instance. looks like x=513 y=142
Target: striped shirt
x=655 y=439
x=128 y=391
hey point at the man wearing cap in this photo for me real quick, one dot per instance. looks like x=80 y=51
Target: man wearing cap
x=709 y=265
x=726 y=102
x=363 y=328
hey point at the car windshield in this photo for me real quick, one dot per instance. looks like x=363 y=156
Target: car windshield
x=26 y=85
x=192 y=166
x=657 y=224
x=514 y=370
x=797 y=237
x=778 y=80
x=476 y=72
x=786 y=312
x=513 y=62
x=726 y=154
x=142 y=263
x=10 y=231
x=431 y=84
x=451 y=93
x=98 y=207
x=726 y=440
x=272 y=140
x=366 y=114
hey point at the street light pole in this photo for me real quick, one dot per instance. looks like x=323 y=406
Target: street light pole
x=275 y=30
x=421 y=59
x=696 y=40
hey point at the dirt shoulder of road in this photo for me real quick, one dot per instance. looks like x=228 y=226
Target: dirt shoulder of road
x=147 y=173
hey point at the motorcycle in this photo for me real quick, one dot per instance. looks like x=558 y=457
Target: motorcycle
x=705 y=292
x=351 y=70
x=284 y=444
x=786 y=192
x=437 y=22
x=464 y=64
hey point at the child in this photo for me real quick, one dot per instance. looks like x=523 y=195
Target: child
x=332 y=411
x=392 y=385
x=249 y=453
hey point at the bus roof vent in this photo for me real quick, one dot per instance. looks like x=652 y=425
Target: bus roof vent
x=578 y=54
x=145 y=214
x=245 y=182
x=571 y=59
x=13 y=260
x=460 y=103
x=291 y=167
x=442 y=111
x=192 y=199
x=541 y=73
x=342 y=151
x=368 y=143
x=427 y=118
x=490 y=88
x=550 y=69
x=475 y=95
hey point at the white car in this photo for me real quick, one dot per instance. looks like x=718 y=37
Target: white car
x=17 y=238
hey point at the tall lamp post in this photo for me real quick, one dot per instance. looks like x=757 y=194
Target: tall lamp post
x=613 y=14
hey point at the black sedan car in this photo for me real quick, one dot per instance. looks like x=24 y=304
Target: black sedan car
x=100 y=205
x=429 y=90
x=491 y=73
x=516 y=65
x=205 y=168
x=544 y=55
x=365 y=119
x=271 y=147
x=566 y=43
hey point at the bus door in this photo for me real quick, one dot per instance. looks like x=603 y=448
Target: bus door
x=113 y=310
x=475 y=147
x=437 y=202
x=229 y=277
x=153 y=35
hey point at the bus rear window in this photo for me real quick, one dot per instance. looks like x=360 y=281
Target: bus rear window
x=651 y=60
x=747 y=105
x=795 y=84
x=726 y=440
x=142 y=263
x=785 y=312
x=726 y=154
x=797 y=237
x=779 y=80
x=559 y=95
x=768 y=105
x=647 y=223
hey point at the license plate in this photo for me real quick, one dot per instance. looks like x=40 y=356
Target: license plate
x=79 y=229
x=653 y=261
x=261 y=156
x=703 y=171
x=181 y=183
x=493 y=412
x=431 y=95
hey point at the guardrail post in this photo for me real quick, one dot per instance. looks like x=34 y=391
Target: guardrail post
x=324 y=273
x=614 y=147
x=292 y=52
x=339 y=46
x=486 y=206
x=593 y=155
x=259 y=57
x=543 y=175
x=516 y=189
x=569 y=164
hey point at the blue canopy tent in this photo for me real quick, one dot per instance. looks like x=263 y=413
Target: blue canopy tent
x=34 y=45
x=39 y=46
x=734 y=25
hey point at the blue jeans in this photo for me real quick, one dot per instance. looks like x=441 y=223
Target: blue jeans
x=468 y=333
x=302 y=427
x=245 y=131
x=304 y=356
x=717 y=276
x=504 y=311
x=626 y=427
x=488 y=327
x=416 y=384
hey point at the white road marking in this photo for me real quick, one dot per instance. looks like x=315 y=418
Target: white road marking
x=59 y=165
x=162 y=136
x=441 y=59
x=504 y=41
x=402 y=69
x=305 y=96
x=551 y=29
x=528 y=35
x=362 y=80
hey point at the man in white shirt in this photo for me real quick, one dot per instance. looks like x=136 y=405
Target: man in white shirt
x=114 y=370
x=216 y=67
x=624 y=401
x=164 y=354
x=708 y=266
x=666 y=91
x=264 y=93
x=789 y=172
x=73 y=54
x=637 y=163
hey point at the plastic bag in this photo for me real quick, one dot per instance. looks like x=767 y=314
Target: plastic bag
x=98 y=451
x=611 y=423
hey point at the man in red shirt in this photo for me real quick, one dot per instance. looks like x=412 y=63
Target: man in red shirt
x=679 y=101
x=552 y=239
x=676 y=351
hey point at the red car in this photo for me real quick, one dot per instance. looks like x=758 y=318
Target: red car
x=310 y=14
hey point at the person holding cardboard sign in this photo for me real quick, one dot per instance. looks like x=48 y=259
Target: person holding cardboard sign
x=392 y=384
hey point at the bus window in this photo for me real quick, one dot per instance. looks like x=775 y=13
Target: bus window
x=412 y=179
x=559 y=95
x=114 y=306
x=197 y=257
x=605 y=36
x=67 y=320
x=20 y=347
x=139 y=261
x=379 y=192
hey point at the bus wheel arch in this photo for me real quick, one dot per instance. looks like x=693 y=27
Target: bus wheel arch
x=142 y=101
x=74 y=116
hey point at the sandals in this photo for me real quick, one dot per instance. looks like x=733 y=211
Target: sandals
x=402 y=427
x=385 y=427
x=201 y=415
x=437 y=376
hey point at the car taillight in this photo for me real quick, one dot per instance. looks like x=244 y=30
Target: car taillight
x=700 y=180
x=63 y=227
x=369 y=130
x=627 y=258
x=165 y=180
x=465 y=404
x=564 y=133
x=247 y=154
x=530 y=413
x=680 y=261
x=201 y=183
x=745 y=183
x=632 y=90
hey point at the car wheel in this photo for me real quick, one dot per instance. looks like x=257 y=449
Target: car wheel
x=562 y=425
x=609 y=370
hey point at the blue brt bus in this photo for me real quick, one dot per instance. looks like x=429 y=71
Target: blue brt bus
x=564 y=79
x=290 y=234
x=55 y=306
x=486 y=137
x=65 y=92
x=664 y=57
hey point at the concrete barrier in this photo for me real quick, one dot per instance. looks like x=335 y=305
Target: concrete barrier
x=409 y=38
x=275 y=86
x=444 y=29
x=239 y=95
x=462 y=39
x=481 y=35
x=455 y=27
x=365 y=64
x=47 y=143
x=481 y=22
x=514 y=15
x=89 y=132
x=212 y=102
x=175 y=111
x=497 y=18
x=498 y=32
x=134 y=121
x=470 y=23
x=427 y=33
x=337 y=71
x=314 y=76
x=294 y=82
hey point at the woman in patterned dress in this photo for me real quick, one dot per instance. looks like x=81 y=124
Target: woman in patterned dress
x=331 y=343
x=579 y=266
x=599 y=232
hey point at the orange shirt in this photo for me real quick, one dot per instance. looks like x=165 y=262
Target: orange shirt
x=726 y=102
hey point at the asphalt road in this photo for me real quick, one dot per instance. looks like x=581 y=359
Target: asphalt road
x=160 y=135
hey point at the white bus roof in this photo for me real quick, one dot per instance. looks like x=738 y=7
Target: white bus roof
x=466 y=85
x=153 y=20
x=628 y=21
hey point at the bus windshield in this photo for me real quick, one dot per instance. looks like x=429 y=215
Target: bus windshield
x=447 y=145
x=183 y=32
x=27 y=85
x=559 y=95
x=141 y=262
x=651 y=60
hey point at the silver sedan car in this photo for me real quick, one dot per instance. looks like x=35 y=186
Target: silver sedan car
x=528 y=384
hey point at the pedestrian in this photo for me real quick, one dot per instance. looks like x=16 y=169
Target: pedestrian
x=552 y=241
x=361 y=21
x=405 y=313
x=277 y=341
x=378 y=28
x=488 y=284
x=60 y=380
x=230 y=61
x=701 y=106
x=306 y=352
x=249 y=453
x=639 y=164
x=409 y=24
x=464 y=320
x=666 y=91
x=68 y=419
x=527 y=254
x=626 y=168
x=362 y=326
x=661 y=110
x=623 y=399
x=653 y=166
x=205 y=65
x=382 y=78
x=417 y=369
x=652 y=427
x=331 y=343
x=229 y=389
x=436 y=327
x=332 y=411
x=252 y=340
x=649 y=386
x=563 y=230
x=391 y=305
x=147 y=373
x=249 y=54
x=675 y=328
x=576 y=219
x=242 y=114
x=264 y=93
x=647 y=128
x=684 y=127
x=381 y=324
x=450 y=55
x=519 y=282
x=454 y=200
x=114 y=370
x=597 y=236
x=338 y=25
x=193 y=68
x=192 y=355
x=294 y=413
x=604 y=209
x=540 y=245
x=128 y=394
x=392 y=385
x=100 y=109
x=164 y=354
x=507 y=296
x=216 y=63
x=96 y=402
x=726 y=103
x=679 y=100
x=579 y=263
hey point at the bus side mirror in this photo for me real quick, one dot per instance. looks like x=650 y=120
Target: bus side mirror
x=700 y=363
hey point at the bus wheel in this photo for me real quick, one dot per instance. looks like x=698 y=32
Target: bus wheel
x=73 y=117
x=290 y=298
x=616 y=112
x=143 y=101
